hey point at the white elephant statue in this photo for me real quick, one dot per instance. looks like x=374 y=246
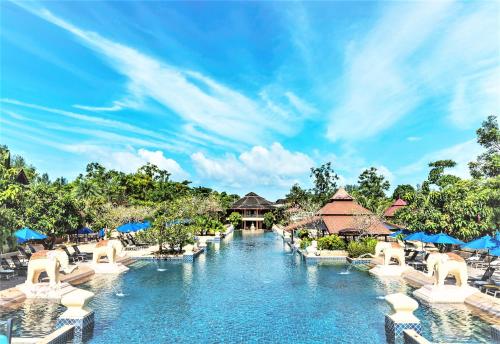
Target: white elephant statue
x=49 y=261
x=107 y=248
x=390 y=250
x=444 y=264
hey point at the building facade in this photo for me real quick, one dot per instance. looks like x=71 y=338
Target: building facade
x=252 y=208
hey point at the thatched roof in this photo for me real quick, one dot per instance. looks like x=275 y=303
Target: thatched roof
x=398 y=204
x=252 y=201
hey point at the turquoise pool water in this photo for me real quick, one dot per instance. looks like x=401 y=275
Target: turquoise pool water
x=252 y=289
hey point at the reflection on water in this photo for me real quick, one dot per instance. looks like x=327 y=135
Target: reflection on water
x=251 y=290
x=35 y=318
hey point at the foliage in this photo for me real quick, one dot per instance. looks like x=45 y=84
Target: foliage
x=488 y=163
x=204 y=225
x=305 y=242
x=437 y=176
x=98 y=198
x=357 y=248
x=235 y=219
x=462 y=209
x=301 y=234
x=371 y=190
x=296 y=196
x=331 y=242
x=325 y=182
x=269 y=219
x=403 y=191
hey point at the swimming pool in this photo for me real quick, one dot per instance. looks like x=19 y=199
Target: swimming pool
x=252 y=289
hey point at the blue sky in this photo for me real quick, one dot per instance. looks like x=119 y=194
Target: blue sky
x=248 y=96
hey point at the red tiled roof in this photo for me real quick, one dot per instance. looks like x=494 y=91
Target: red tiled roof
x=340 y=215
x=398 y=204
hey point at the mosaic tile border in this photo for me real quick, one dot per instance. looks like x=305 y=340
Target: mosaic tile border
x=84 y=327
x=394 y=330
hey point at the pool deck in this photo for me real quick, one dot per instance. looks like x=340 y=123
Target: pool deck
x=13 y=297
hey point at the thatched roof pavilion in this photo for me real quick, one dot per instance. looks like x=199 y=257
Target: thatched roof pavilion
x=344 y=216
x=398 y=204
x=252 y=208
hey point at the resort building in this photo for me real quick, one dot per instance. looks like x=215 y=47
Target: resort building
x=398 y=204
x=252 y=208
x=344 y=216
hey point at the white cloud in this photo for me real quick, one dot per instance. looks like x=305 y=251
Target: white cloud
x=197 y=99
x=415 y=52
x=461 y=153
x=272 y=167
x=128 y=160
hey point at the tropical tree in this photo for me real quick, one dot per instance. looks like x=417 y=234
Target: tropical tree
x=403 y=191
x=325 y=182
x=269 y=219
x=488 y=163
x=371 y=190
x=235 y=219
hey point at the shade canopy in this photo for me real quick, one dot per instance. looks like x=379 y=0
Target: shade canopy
x=84 y=230
x=418 y=236
x=443 y=238
x=101 y=233
x=25 y=234
x=133 y=227
x=400 y=232
x=495 y=251
x=484 y=243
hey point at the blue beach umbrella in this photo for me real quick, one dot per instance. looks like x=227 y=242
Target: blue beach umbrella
x=443 y=238
x=101 y=233
x=144 y=225
x=84 y=230
x=418 y=236
x=127 y=227
x=495 y=251
x=483 y=243
x=25 y=234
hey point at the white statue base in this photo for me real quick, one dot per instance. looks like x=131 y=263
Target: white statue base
x=108 y=268
x=444 y=294
x=45 y=290
x=389 y=270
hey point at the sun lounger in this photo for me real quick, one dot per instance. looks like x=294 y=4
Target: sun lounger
x=26 y=255
x=6 y=271
x=79 y=253
x=18 y=266
x=492 y=289
x=485 y=279
x=72 y=258
x=135 y=243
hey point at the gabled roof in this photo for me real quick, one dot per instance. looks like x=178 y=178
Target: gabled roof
x=398 y=204
x=342 y=203
x=340 y=215
x=252 y=201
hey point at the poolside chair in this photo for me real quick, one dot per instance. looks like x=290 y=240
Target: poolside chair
x=26 y=255
x=126 y=245
x=485 y=279
x=17 y=262
x=19 y=268
x=31 y=248
x=79 y=253
x=492 y=289
x=135 y=243
x=6 y=335
x=6 y=272
x=476 y=258
x=72 y=258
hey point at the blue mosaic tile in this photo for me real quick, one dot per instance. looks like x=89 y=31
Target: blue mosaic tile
x=84 y=327
x=495 y=334
x=394 y=330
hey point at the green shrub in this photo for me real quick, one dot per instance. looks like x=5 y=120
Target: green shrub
x=370 y=244
x=305 y=242
x=363 y=246
x=303 y=234
x=331 y=242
